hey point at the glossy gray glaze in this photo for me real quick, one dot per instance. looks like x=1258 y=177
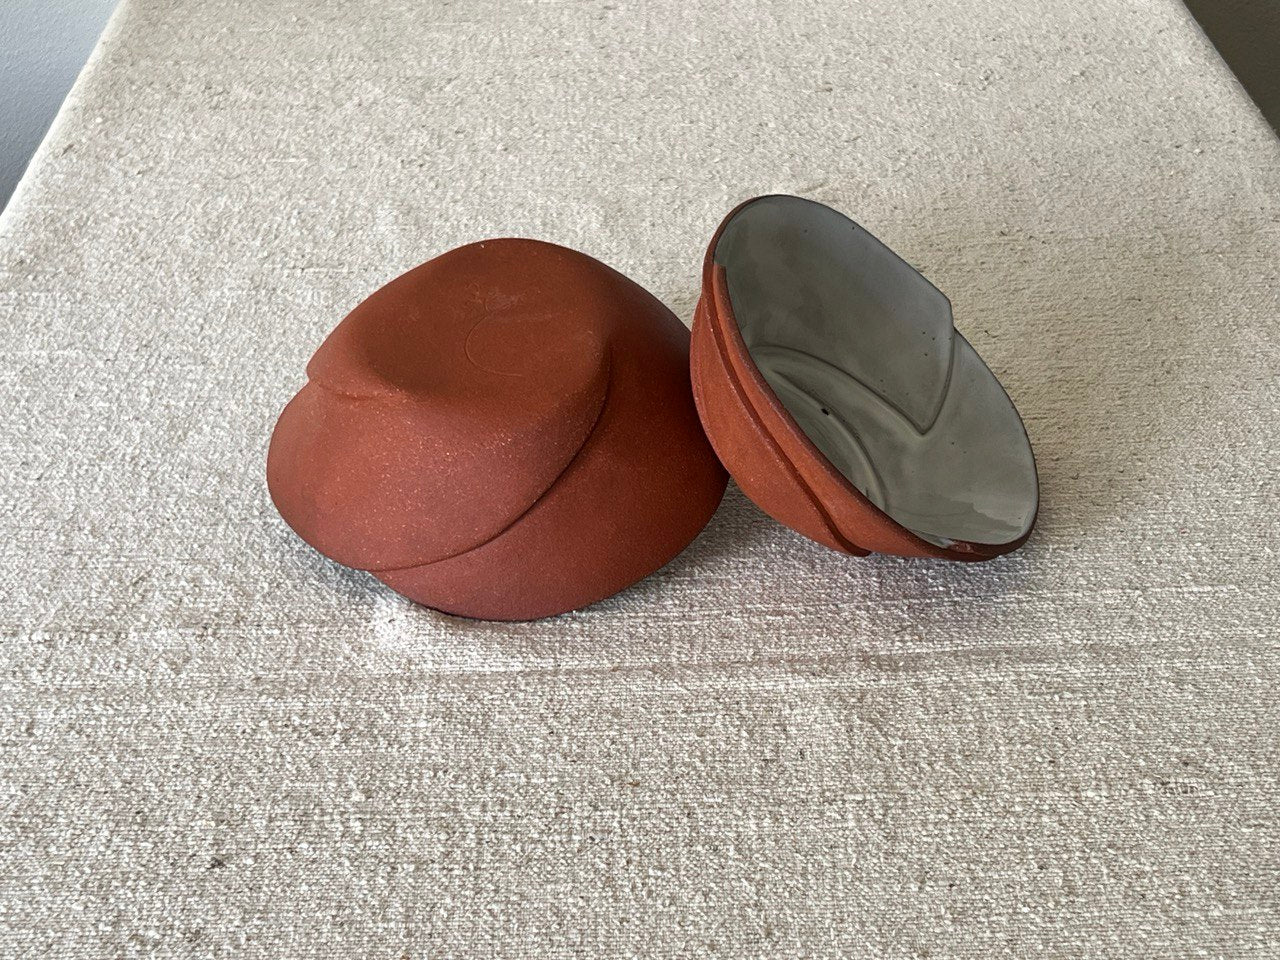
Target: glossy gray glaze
x=861 y=350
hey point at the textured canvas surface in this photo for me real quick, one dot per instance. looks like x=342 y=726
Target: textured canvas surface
x=215 y=743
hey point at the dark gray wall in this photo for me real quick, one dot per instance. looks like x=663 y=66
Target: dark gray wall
x=43 y=45
x=1247 y=34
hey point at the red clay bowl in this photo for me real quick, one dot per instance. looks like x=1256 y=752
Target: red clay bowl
x=834 y=387
x=504 y=432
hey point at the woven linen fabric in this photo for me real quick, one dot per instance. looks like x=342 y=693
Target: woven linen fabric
x=215 y=743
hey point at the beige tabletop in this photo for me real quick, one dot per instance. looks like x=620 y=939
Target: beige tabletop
x=215 y=743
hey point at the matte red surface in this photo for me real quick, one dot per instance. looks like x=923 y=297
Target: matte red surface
x=771 y=458
x=504 y=432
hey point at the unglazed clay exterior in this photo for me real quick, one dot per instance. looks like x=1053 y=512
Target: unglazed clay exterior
x=505 y=432
x=836 y=390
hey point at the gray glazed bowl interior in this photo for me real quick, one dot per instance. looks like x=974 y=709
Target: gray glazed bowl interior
x=860 y=349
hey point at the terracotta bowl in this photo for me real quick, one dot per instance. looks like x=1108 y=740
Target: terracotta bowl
x=835 y=389
x=505 y=432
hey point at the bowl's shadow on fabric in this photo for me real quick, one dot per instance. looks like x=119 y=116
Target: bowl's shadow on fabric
x=355 y=586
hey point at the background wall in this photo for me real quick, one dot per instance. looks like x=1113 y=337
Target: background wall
x=1247 y=34
x=43 y=45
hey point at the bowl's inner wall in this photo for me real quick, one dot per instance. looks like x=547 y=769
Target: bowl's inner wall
x=860 y=349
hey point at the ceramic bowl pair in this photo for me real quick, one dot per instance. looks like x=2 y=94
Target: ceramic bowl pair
x=514 y=430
